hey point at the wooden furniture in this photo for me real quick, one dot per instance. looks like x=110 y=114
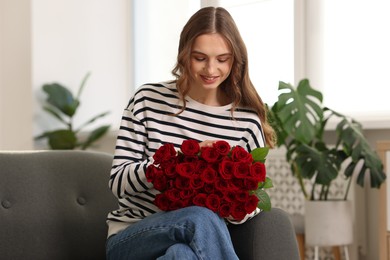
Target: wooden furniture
x=383 y=234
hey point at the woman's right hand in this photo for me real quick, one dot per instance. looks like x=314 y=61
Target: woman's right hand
x=207 y=143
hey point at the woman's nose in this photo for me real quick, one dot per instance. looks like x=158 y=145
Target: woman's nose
x=210 y=67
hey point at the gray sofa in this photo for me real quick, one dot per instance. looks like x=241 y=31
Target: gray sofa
x=53 y=205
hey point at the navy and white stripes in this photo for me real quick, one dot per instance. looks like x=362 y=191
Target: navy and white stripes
x=148 y=122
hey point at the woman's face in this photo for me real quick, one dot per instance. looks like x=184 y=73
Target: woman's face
x=211 y=61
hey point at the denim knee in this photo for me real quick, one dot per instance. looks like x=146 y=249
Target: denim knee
x=203 y=217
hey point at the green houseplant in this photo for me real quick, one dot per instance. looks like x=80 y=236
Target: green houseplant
x=300 y=119
x=62 y=105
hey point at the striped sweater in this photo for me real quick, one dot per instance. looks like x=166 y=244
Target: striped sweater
x=147 y=123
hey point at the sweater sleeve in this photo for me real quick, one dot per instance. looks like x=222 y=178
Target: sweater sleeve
x=127 y=175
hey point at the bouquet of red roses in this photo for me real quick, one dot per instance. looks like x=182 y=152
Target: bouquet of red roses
x=227 y=180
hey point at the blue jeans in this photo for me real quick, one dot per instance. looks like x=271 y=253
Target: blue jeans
x=188 y=233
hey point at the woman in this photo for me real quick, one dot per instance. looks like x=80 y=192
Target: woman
x=211 y=99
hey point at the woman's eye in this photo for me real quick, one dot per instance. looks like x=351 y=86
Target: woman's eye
x=199 y=59
x=223 y=59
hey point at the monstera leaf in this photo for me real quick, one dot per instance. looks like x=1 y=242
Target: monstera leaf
x=299 y=110
x=323 y=164
x=359 y=150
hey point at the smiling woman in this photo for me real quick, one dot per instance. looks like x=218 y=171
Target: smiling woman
x=211 y=63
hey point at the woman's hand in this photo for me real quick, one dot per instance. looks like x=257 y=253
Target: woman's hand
x=207 y=143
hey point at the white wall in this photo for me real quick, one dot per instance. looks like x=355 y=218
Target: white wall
x=71 y=38
x=15 y=75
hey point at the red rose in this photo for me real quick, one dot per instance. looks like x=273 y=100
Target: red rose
x=212 y=202
x=187 y=194
x=186 y=169
x=164 y=153
x=190 y=147
x=229 y=196
x=241 y=169
x=226 y=168
x=182 y=183
x=222 y=147
x=160 y=183
x=151 y=172
x=209 y=188
x=200 y=199
x=258 y=171
x=238 y=211
x=201 y=165
x=196 y=183
x=239 y=154
x=209 y=154
x=221 y=184
x=209 y=175
x=170 y=183
x=251 y=203
x=190 y=159
x=162 y=202
x=242 y=195
x=238 y=183
x=224 y=210
x=251 y=183
x=170 y=170
x=178 y=204
x=173 y=194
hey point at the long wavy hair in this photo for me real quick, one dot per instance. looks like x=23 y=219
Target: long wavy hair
x=238 y=86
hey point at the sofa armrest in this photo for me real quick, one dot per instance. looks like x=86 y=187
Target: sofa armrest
x=270 y=235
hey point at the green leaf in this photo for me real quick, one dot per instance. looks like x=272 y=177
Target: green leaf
x=259 y=154
x=322 y=163
x=94 y=136
x=62 y=139
x=268 y=183
x=61 y=98
x=299 y=110
x=357 y=147
x=82 y=85
x=264 y=200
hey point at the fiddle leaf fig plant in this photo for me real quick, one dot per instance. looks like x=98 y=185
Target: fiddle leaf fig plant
x=299 y=119
x=62 y=105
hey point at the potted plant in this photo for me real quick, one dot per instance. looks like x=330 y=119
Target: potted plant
x=300 y=119
x=62 y=105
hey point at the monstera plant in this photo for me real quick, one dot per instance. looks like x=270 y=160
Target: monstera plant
x=299 y=119
x=62 y=105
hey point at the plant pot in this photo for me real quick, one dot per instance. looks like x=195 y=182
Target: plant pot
x=328 y=223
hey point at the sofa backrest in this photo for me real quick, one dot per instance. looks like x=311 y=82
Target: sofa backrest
x=53 y=204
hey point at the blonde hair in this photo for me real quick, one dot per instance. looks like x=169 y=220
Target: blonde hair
x=238 y=86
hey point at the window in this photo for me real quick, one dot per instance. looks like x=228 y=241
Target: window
x=356 y=53
x=267 y=28
x=157 y=27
